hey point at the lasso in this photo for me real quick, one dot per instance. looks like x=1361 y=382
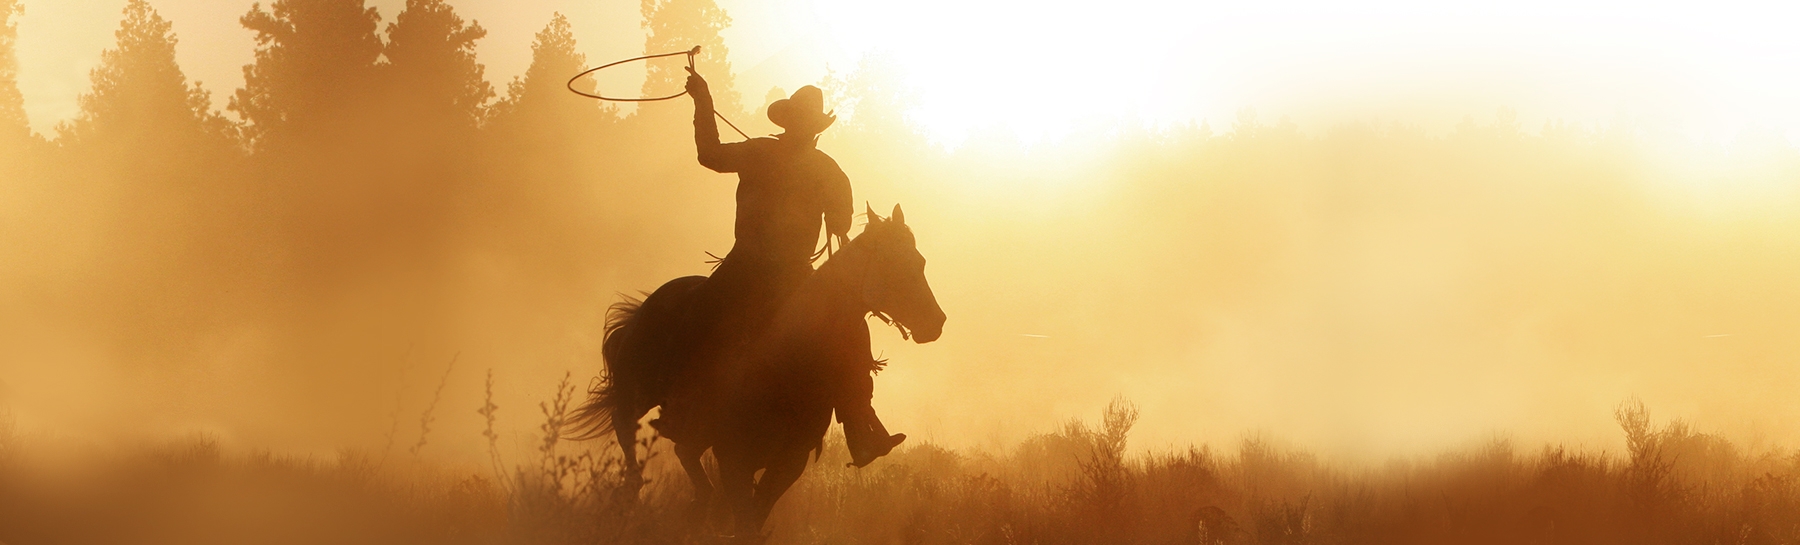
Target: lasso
x=690 y=58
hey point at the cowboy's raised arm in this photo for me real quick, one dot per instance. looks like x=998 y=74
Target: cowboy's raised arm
x=713 y=155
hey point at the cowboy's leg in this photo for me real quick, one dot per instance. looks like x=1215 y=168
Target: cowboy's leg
x=864 y=435
x=855 y=392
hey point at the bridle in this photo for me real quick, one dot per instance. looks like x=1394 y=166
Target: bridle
x=869 y=260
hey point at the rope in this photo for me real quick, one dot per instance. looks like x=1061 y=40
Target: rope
x=690 y=58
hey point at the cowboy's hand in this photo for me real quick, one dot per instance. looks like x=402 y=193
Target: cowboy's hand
x=696 y=86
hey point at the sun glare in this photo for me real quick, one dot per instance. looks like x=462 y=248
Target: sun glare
x=1042 y=71
x=1016 y=66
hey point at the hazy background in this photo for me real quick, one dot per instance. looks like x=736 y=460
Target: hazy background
x=1706 y=69
x=1370 y=230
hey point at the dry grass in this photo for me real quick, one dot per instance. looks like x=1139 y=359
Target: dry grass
x=1078 y=484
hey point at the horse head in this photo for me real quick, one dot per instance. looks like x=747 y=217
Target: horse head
x=892 y=277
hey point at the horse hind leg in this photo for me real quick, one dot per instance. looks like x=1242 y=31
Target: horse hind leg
x=625 y=429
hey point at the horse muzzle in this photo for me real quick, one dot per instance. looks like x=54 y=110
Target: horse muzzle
x=930 y=330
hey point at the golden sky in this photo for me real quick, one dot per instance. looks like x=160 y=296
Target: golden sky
x=1707 y=69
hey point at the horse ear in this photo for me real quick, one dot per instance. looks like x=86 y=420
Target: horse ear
x=872 y=217
x=898 y=217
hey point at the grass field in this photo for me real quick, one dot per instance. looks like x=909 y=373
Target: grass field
x=1077 y=484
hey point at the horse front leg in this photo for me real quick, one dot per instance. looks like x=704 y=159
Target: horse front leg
x=690 y=454
x=784 y=470
x=737 y=479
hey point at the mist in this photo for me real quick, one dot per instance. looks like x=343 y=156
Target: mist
x=336 y=253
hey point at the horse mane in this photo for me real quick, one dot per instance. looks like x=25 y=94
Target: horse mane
x=878 y=226
x=617 y=314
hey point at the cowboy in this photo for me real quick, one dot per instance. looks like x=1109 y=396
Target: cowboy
x=785 y=187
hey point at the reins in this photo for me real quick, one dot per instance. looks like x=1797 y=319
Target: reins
x=690 y=58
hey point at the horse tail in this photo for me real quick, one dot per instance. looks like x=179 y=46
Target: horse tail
x=594 y=418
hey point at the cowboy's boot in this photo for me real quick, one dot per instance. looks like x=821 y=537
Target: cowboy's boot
x=866 y=437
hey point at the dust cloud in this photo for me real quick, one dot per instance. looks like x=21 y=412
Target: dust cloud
x=339 y=258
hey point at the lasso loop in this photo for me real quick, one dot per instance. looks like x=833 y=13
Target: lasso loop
x=571 y=85
x=690 y=58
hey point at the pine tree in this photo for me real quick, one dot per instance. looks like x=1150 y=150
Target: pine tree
x=314 y=77
x=140 y=98
x=550 y=141
x=312 y=104
x=555 y=163
x=433 y=73
x=677 y=25
x=151 y=168
x=13 y=125
x=540 y=101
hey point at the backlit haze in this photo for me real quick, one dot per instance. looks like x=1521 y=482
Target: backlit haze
x=1285 y=218
x=1706 y=69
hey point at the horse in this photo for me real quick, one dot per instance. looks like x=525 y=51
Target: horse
x=781 y=405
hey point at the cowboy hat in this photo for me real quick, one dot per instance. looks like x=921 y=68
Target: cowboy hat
x=804 y=112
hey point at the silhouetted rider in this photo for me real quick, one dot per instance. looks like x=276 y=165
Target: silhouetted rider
x=786 y=188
